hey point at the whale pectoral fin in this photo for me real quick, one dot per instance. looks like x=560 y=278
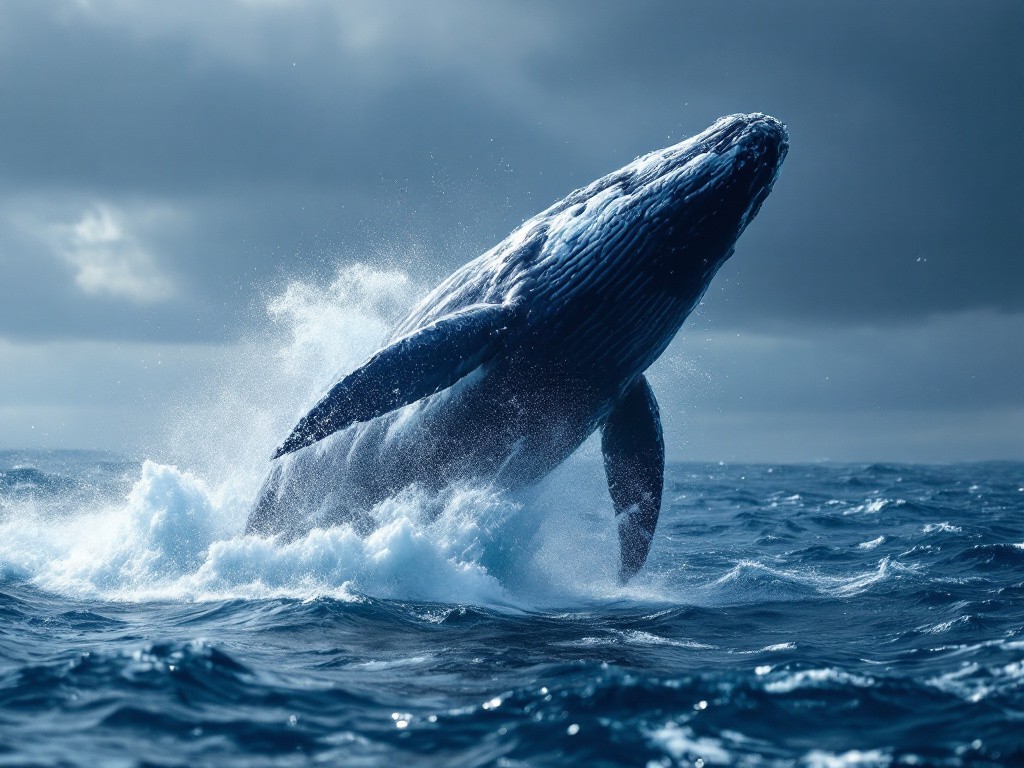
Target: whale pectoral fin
x=634 y=462
x=413 y=367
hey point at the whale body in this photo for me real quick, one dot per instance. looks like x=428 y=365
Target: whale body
x=511 y=363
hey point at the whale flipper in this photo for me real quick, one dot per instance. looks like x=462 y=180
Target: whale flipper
x=417 y=365
x=634 y=462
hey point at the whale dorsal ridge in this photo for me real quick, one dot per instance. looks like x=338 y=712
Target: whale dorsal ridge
x=415 y=366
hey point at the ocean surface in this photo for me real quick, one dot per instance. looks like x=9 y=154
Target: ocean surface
x=818 y=615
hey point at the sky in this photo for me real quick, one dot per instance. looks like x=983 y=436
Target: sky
x=168 y=168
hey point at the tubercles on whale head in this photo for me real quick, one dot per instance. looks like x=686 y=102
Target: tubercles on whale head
x=673 y=214
x=703 y=192
x=635 y=250
x=670 y=217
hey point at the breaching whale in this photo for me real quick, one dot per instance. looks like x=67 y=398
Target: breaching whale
x=506 y=367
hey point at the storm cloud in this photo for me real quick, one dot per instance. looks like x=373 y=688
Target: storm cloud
x=164 y=166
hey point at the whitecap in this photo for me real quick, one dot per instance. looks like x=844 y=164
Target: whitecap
x=941 y=528
x=873 y=506
x=681 y=743
x=945 y=626
x=855 y=758
x=176 y=537
x=788 y=682
x=871 y=544
x=749 y=573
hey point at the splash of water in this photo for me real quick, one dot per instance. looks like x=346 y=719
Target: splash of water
x=178 y=533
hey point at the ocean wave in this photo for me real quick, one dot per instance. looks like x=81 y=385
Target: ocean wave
x=176 y=537
x=854 y=758
x=974 y=681
x=992 y=556
x=780 y=582
x=20 y=480
x=941 y=528
x=829 y=677
x=874 y=506
x=171 y=541
x=637 y=638
x=681 y=743
x=945 y=626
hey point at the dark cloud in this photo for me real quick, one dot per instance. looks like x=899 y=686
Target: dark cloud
x=285 y=134
x=942 y=389
x=166 y=166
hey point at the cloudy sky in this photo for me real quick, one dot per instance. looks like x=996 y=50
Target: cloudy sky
x=166 y=168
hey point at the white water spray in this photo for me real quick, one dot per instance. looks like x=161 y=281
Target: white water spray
x=178 y=533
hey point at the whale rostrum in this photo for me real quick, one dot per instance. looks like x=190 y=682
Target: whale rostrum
x=507 y=367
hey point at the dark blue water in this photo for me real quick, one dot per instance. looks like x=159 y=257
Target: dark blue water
x=819 y=615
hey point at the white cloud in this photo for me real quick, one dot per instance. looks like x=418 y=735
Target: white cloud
x=109 y=260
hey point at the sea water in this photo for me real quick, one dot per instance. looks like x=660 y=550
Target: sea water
x=817 y=615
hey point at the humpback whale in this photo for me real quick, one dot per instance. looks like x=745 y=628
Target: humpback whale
x=513 y=361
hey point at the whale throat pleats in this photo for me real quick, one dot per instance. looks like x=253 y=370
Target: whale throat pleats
x=415 y=366
x=634 y=462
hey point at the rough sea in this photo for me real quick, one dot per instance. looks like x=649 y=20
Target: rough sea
x=819 y=615
x=813 y=615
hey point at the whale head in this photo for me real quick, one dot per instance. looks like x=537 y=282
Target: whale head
x=635 y=250
x=697 y=197
x=678 y=212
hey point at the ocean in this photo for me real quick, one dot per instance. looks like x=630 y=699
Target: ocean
x=813 y=615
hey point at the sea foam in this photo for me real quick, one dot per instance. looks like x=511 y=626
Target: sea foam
x=176 y=537
x=178 y=533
